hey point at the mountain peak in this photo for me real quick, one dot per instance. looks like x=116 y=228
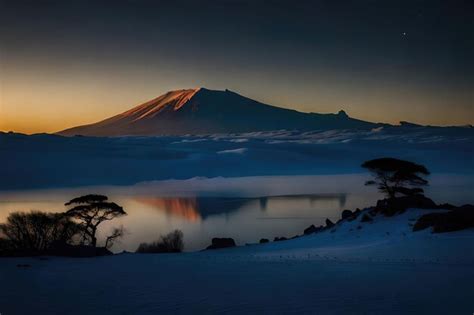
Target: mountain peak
x=204 y=111
x=342 y=113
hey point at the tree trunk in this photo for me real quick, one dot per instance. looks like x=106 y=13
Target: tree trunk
x=94 y=239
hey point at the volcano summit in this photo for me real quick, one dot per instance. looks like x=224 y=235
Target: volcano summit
x=203 y=111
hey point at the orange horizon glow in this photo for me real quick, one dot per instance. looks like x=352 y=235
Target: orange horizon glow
x=66 y=64
x=72 y=107
x=36 y=99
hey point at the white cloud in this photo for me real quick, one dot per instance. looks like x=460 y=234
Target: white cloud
x=233 y=151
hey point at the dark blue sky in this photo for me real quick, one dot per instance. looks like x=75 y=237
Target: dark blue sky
x=70 y=62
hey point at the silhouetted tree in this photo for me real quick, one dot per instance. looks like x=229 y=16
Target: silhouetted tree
x=91 y=211
x=394 y=176
x=35 y=231
x=6 y=247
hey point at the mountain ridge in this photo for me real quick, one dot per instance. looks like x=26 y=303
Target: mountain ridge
x=203 y=111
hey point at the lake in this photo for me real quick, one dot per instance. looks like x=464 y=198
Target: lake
x=244 y=208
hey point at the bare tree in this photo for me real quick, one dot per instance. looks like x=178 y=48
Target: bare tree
x=169 y=243
x=36 y=231
x=117 y=232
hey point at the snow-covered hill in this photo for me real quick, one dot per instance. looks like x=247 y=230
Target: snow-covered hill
x=378 y=267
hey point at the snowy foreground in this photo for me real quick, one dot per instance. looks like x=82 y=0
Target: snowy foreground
x=381 y=267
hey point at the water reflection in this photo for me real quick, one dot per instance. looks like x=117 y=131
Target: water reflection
x=186 y=208
x=245 y=209
x=195 y=209
x=340 y=198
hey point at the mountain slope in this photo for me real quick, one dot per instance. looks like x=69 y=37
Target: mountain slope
x=203 y=111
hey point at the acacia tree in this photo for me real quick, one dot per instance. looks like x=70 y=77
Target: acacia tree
x=91 y=211
x=393 y=176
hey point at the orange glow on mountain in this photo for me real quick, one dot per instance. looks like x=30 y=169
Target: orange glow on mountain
x=172 y=99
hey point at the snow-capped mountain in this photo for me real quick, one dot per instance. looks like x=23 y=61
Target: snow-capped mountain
x=203 y=111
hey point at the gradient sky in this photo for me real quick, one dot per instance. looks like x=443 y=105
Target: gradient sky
x=64 y=63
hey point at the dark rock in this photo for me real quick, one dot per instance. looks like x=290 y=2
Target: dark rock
x=373 y=211
x=465 y=208
x=459 y=218
x=346 y=214
x=264 y=240
x=312 y=229
x=329 y=223
x=409 y=191
x=366 y=218
x=393 y=206
x=279 y=239
x=446 y=206
x=354 y=215
x=221 y=243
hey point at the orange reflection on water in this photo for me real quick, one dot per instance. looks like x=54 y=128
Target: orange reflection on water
x=186 y=208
